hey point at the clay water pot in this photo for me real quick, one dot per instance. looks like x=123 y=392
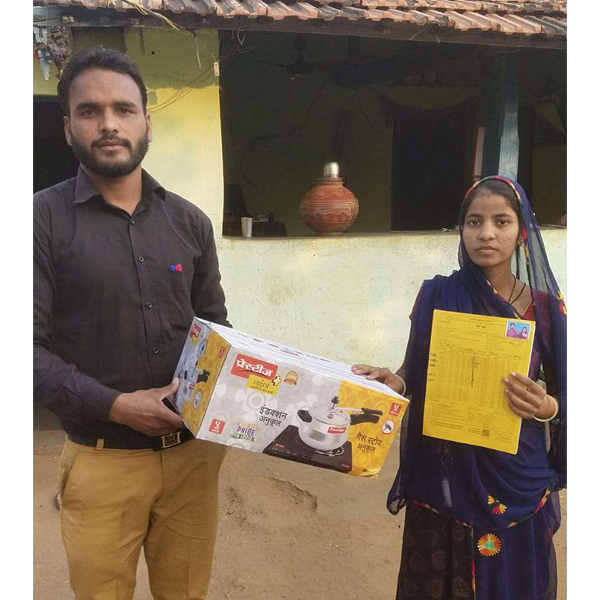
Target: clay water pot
x=329 y=208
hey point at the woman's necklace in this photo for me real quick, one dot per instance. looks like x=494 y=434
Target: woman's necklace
x=512 y=302
x=513 y=289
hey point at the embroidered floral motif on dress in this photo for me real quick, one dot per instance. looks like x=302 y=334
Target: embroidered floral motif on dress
x=489 y=545
x=497 y=507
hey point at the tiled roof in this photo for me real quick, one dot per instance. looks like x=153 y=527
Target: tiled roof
x=521 y=17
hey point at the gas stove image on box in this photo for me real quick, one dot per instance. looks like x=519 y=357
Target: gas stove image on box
x=289 y=445
x=322 y=437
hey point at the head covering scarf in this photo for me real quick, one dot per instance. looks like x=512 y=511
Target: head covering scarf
x=469 y=291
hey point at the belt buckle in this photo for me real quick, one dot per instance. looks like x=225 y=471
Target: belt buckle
x=169 y=440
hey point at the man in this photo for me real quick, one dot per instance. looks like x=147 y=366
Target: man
x=121 y=266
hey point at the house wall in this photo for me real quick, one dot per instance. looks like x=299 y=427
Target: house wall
x=346 y=297
x=187 y=152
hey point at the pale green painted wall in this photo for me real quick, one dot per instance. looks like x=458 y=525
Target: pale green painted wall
x=347 y=298
x=186 y=154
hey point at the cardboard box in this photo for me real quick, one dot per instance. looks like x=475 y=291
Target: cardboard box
x=243 y=391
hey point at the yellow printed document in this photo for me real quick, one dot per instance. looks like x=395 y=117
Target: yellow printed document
x=468 y=359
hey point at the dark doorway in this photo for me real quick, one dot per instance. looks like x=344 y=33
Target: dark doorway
x=429 y=166
x=53 y=159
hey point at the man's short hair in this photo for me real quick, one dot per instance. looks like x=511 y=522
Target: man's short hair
x=98 y=58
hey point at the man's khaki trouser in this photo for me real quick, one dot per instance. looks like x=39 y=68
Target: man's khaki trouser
x=115 y=501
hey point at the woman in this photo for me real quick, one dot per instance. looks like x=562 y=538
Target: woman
x=479 y=523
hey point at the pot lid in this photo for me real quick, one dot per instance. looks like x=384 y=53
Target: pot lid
x=333 y=416
x=331 y=169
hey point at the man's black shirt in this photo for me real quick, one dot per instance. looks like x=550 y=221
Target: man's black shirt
x=114 y=297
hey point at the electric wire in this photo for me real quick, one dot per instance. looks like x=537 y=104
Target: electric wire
x=224 y=55
x=197 y=49
x=283 y=135
x=367 y=116
x=147 y=11
x=186 y=89
x=182 y=92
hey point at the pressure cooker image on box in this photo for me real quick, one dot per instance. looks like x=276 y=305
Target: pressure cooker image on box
x=322 y=437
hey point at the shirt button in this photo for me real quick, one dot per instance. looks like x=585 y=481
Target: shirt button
x=154 y=350
x=141 y=259
x=132 y=221
x=149 y=304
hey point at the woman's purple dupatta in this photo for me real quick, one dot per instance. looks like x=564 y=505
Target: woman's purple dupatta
x=469 y=291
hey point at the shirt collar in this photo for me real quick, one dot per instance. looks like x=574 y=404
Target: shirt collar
x=85 y=188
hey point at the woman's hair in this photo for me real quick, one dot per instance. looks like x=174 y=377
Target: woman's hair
x=98 y=58
x=492 y=186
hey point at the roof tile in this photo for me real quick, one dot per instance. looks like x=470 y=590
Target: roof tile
x=528 y=28
x=503 y=24
x=560 y=23
x=440 y=17
x=464 y=22
x=259 y=8
x=396 y=15
x=548 y=27
x=304 y=11
x=353 y=14
x=520 y=17
x=479 y=21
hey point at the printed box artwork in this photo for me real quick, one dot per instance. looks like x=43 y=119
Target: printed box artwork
x=243 y=391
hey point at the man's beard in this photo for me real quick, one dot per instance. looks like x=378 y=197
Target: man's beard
x=108 y=168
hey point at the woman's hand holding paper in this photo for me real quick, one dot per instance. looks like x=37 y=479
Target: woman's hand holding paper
x=528 y=399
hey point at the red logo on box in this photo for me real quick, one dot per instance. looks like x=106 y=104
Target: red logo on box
x=395 y=409
x=337 y=430
x=195 y=332
x=217 y=426
x=221 y=351
x=244 y=366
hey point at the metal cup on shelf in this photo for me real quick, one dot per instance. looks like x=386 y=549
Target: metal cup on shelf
x=247 y=227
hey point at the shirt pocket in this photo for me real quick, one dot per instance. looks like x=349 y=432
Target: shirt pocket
x=179 y=288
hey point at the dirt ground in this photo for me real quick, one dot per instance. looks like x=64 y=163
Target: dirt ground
x=287 y=532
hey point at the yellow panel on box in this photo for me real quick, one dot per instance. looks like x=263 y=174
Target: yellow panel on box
x=374 y=421
x=201 y=380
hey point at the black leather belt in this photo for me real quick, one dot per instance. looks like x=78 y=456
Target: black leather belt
x=155 y=443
